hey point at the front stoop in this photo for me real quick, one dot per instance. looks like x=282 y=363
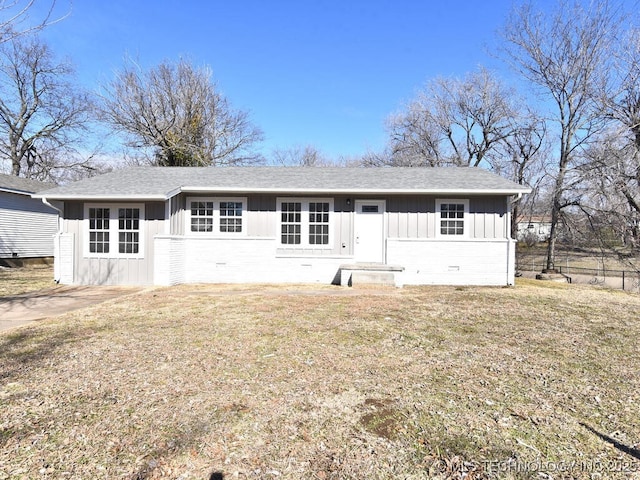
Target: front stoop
x=371 y=274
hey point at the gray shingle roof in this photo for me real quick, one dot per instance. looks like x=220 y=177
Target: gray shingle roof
x=165 y=182
x=15 y=184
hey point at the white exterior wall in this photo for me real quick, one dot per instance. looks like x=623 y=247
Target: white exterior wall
x=169 y=260
x=63 y=258
x=27 y=227
x=237 y=260
x=252 y=260
x=451 y=262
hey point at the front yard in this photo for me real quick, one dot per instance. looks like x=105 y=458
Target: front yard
x=199 y=382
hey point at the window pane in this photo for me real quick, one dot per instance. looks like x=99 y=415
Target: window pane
x=98 y=230
x=291 y=223
x=318 y=223
x=231 y=217
x=128 y=226
x=452 y=219
x=201 y=216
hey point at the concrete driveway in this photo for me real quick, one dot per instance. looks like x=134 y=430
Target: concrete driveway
x=21 y=309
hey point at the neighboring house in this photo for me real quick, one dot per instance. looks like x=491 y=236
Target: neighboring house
x=27 y=226
x=163 y=226
x=536 y=228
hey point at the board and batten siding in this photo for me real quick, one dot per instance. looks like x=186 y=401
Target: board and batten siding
x=416 y=217
x=113 y=270
x=262 y=221
x=27 y=227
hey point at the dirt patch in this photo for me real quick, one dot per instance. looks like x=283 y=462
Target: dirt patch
x=383 y=418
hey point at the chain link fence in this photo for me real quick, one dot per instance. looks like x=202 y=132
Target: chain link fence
x=628 y=280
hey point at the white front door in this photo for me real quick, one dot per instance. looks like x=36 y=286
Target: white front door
x=369 y=231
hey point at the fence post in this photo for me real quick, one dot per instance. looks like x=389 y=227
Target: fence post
x=622 y=279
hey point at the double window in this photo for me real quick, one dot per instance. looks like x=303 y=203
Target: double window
x=305 y=222
x=114 y=230
x=451 y=217
x=216 y=215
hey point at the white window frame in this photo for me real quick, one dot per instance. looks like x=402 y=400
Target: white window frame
x=304 y=222
x=114 y=231
x=216 y=216
x=465 y=219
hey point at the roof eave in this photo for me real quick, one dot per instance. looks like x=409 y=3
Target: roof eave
x=356 y=191
x=16 y=191
x=286 y=191
x=100 y=198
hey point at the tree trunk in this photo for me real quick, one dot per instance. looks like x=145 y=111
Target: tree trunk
x=556 y=206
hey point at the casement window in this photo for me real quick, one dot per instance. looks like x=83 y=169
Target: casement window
x=216 y=216
x=451 y=217
x=114 y=230
x=305 y=222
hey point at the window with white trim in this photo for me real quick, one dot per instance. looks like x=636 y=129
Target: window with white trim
x=201 y=216
x=98 y=230
x=113 y=230
x=231 y=217
x=291 y=223
x=451 y=217
x=128 y=230
x=319 y=223
x=216 y=216
x=305 y=222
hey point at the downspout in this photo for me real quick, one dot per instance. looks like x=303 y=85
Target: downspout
x=56 y=261
x=510 y=242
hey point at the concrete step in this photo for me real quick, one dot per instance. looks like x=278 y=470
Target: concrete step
x=371 y=274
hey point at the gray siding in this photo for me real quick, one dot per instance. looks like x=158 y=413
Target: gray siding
x=488 y=217
x=112 y=271
x=416 y=217
x=177 y=221
x=27 y=226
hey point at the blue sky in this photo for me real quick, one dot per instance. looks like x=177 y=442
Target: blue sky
x=324 y=73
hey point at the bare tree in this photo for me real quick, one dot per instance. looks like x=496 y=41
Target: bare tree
x=564 y=53
x=623 y=107
x=307 y=156
x=611 y=190
x=15 y=18
x=176 y=112
x=612 y=174
x=522 y=157
x=42 y=113
x=453 y=122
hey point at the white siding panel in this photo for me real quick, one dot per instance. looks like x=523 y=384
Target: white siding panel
x=27 y=227
x=161 y=261
x=169 y=261
x=449 y=262
x=63 y=261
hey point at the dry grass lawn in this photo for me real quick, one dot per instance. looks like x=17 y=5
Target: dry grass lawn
x=15 y=281
x=309 y=382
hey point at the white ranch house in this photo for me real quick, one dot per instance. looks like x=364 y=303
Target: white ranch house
x=165 y=226
x=27 y=226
